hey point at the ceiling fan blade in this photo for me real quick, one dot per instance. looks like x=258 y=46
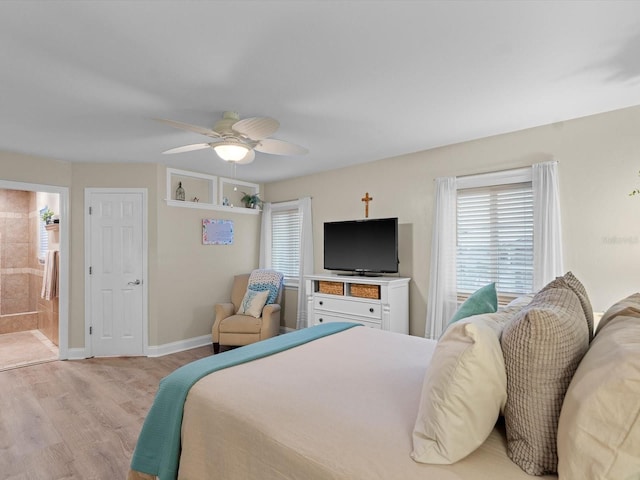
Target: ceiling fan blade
x=279 y=147
x=256 y=128
x=188 y=148
x=248 y=158
x=190 y=128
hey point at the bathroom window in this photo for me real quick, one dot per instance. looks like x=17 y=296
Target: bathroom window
x=43 y=237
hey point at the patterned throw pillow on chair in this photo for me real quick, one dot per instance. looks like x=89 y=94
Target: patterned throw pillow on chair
x=266 y=279
x=253 y=302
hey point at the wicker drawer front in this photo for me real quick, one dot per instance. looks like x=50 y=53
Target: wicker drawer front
x=332 y=288
x=365 y=291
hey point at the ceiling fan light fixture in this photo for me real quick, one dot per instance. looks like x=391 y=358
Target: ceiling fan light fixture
x=231 y=151
x=236 y=140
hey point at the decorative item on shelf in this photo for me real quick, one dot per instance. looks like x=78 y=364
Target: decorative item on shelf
x=225 y=201
x=46 y=215
x=195 y=200
x=251 y=200
x=180 y=192
x=636 y=191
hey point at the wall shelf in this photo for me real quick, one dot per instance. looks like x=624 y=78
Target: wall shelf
x=231 y=191
x=205 y=188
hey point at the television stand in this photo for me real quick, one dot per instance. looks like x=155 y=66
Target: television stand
x=359 y=274
x=376 y=302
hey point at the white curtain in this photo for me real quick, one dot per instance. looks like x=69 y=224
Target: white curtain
x=265 y=237
x=547 y=233
x=442 y=297
x=306 y=258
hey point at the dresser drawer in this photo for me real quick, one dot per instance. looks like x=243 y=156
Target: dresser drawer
x=349 y=307
x=320 y=318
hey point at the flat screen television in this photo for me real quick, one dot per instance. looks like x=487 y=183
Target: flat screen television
x=362 y=246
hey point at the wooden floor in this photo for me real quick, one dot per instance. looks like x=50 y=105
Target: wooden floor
x=78 y=419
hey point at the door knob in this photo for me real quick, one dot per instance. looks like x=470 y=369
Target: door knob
x=137 y=282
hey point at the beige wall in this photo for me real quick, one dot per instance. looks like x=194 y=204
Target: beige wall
x=185 y=277
x=103 y=175
x=289 y=304
x=190 y=276
x=24 y=168
x=599 y=160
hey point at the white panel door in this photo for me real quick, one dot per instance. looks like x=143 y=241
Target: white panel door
x=116 y=273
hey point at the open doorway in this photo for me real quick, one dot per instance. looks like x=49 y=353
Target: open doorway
x=32 y=309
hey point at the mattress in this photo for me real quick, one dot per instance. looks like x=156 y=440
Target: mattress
x=340 y=407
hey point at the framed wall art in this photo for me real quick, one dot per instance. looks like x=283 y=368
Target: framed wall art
x=217 y=232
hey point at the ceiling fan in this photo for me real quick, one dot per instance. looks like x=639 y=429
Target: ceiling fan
x=236 y=140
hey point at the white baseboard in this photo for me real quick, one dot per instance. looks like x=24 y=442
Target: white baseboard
x=77 y=354
x=165 y=349
x=152 y=350
x=179 y=346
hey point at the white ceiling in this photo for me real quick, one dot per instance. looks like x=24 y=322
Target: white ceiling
x=353 y=81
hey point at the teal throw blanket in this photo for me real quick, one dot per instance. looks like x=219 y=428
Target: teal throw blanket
x=270 y=280
x=158 y=449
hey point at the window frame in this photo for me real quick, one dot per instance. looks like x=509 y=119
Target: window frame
x=294 y=205
x=488 y=180
x=43 y=236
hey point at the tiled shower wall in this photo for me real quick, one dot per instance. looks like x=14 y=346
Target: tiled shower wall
x=20 y=270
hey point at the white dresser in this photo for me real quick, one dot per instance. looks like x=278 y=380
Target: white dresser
x=377 y=302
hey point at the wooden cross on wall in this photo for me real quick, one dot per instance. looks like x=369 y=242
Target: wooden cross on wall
x=366 y=199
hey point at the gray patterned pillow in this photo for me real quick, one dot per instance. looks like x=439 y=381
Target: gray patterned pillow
x=577 y=287
x=542 y=347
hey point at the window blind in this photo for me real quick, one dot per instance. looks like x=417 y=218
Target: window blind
x=43 y=237
x=495 y=239
x=285 y=242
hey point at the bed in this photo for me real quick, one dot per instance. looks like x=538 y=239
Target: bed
x=342 y=406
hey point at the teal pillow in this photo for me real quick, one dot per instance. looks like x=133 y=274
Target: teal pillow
x=483 y=300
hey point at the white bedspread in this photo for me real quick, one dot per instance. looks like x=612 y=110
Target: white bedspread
x=341 y=407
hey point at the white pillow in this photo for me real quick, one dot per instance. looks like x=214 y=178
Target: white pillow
x=464 y=389
x=599 y=427
x=253 y=302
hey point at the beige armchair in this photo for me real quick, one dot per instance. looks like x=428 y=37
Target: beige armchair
x=232 y=329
